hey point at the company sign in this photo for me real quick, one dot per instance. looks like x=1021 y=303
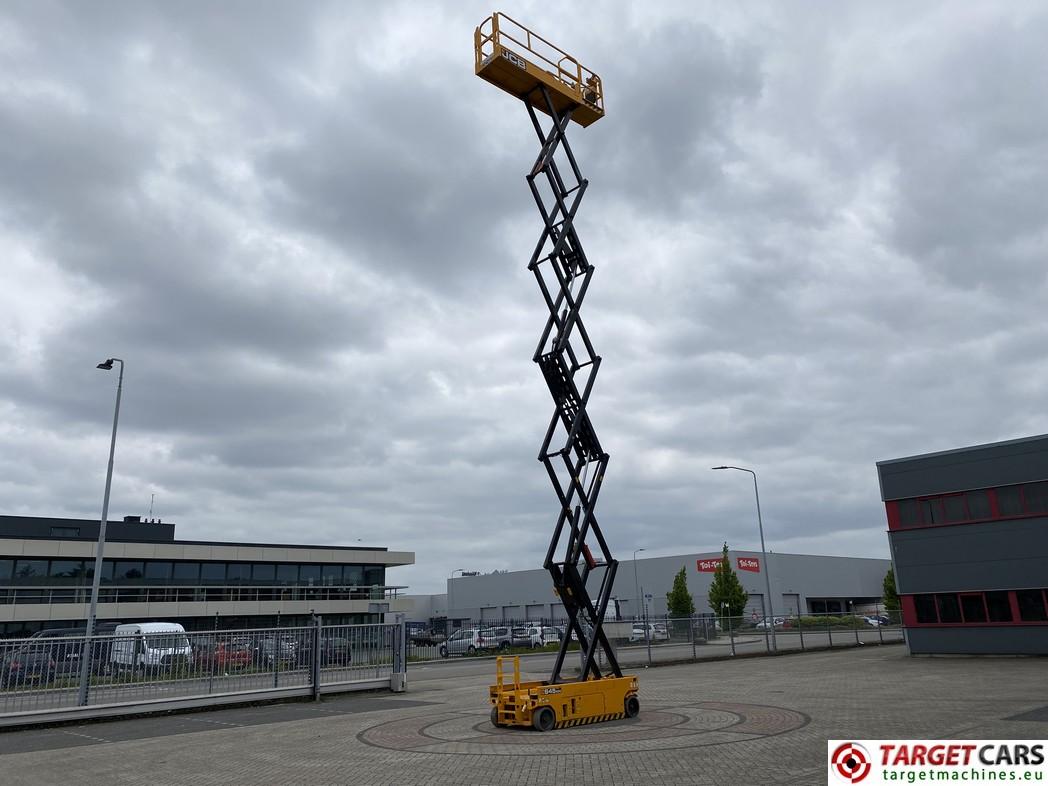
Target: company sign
x=709 y=565
x=752 y=564
x=872 y=762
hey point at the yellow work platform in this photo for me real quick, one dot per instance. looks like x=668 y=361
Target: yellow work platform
x=544 y=707
x=512 y=57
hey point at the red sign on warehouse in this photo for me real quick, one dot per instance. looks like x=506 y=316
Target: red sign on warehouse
x=709 y=565
x=752 y=564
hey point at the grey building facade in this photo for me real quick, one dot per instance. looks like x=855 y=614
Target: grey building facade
x=801 y=584
x=969 y=539
x=47 y=569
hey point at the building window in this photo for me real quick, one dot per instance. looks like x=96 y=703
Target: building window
x=186 y=573
x=331 y=575
x=909 y=513
x=309 y=574
x=1035 y=497
x=238 y=573
x=973 y=608
x=127 y=572
x=65 y=532
x=1009 y=501
x=263 y=573
x=925 y=606
x=931 y=509
x=30 y=571
x=955 y=508
x=1031 y=605
x=7 y=568
x=949 y=608
x=978 y=505
x=999 y=607
x=213 y=573
x=158 y=572
x=67 y=571
x=287 y=574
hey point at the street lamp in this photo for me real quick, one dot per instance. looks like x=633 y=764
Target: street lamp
x=85 y=660
x=636 y=583
x=770 y=620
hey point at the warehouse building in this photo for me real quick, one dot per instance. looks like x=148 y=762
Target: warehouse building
x=969 y=539
x=47 y=568
x=800 y=584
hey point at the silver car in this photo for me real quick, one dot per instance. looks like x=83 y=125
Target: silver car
x=466 y=641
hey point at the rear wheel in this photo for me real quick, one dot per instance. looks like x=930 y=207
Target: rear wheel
x=632 y=706
x=443 y=652
x=543 y=719
x=472 y=650
x=504 y=645
x=495 y=717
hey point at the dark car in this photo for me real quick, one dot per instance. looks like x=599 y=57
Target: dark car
x=65 y=645
x=333 y=652
x=26 y=666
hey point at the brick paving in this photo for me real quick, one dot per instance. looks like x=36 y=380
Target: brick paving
x=751 y=721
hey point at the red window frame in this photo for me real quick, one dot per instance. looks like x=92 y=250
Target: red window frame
x=895 y=518
x=909 y=610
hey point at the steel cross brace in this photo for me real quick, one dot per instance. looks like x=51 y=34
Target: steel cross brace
x=571 y=452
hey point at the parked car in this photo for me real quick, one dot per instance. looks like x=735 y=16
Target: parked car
x=769 y=622
x=65 y=645
x=654 y=633
x=541 y=636
x=501 y=636
x=26 y=666
x=222 y=655
x=269 y=649
x=877 y=620
x=334 y=651
x=521 y=637
x=466 y=641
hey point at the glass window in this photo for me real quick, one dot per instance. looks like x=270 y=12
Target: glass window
x=238 y=572
x=70 y=570
x=973 y=608
x=999 y=607
x=909 y=513
x=375 y=575
x=331 y=574
x=1031 y=605
x=287 y=574
x=353 y=575
x=185 y=573
x=955 y=508
x=65 y=532
x=925 y=605
x=213 y=573
x=1035 y=495
x=308 y=574
x=158 y=572
x=128 y=572
x=263 y=573
x=7 y=568
x=932 y=511
x=978 y=504
x=107 y=571
x=30 y=571
x=949 y=608
x=1009 y=501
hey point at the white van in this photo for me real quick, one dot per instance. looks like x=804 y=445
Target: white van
x=150 y=645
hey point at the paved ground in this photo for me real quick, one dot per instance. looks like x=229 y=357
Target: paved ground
x=747 y=721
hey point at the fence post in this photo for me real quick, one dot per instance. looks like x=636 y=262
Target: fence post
x=731 y=636
x=691 y=634
x=314 y=666
x=829 y=630
x=855 y=624
x=880 y=624
x=800 y=628
x=398 y=680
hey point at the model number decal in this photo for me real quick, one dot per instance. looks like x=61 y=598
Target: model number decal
x=550 y=691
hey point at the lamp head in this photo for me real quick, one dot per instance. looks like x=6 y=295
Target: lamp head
x=719 y=467
x=106 y=365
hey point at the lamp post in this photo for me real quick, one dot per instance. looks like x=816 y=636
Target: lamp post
x=88 y=652
x=636 y=583
x=770 y=620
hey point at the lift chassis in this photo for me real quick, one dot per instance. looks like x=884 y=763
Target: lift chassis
x=511 y=57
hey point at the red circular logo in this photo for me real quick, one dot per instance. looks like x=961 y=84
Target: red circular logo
x=851 y=762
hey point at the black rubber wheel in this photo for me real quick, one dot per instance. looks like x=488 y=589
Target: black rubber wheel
x=504 y=645
x=443 y=652
x=632 y=706
x=495 y=718
x=543 y=719
x=472 y=650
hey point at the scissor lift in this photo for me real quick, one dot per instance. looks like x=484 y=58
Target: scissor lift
x=551 y=82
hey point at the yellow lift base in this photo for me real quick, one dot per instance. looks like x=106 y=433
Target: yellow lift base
x=542 y=706
x=519 y=61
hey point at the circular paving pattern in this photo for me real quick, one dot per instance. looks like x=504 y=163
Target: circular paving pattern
x=683 y=726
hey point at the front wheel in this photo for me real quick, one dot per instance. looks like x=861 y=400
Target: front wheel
x=632 y=706
x=472 y=650
x=443 y=652
x=504 y=645
x=543 y=719
x=495 y=718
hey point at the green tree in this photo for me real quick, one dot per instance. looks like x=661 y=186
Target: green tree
x=891 y=595
x=678 y=600
x=727 y=596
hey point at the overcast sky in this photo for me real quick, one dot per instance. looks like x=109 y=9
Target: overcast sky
x=819 y=233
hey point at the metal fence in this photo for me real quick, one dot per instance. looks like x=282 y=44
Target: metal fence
x=646 y=641
x=43 y=678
